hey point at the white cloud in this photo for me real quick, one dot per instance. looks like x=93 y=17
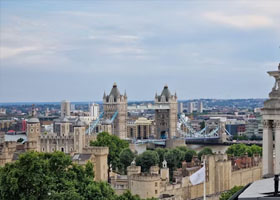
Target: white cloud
x=115 y=38
x=240 y=21
x=7 y=52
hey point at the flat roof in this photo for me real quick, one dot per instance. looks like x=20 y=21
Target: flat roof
x=259 y=190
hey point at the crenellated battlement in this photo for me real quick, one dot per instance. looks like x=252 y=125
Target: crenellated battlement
x=145 y=177
x=55 y=137
x=96 y=150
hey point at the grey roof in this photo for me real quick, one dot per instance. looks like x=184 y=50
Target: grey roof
x=33 y=120
x=165 y=92
x=64 y=120
x=81 y=157
x=79 y=122
x=115 y=91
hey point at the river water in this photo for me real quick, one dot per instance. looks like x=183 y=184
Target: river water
x=215 y=148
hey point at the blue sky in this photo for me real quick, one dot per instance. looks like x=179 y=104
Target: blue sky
x=55 y=50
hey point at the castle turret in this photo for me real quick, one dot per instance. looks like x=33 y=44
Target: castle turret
x=164 y=172
x=79 y=136
x=34 y=130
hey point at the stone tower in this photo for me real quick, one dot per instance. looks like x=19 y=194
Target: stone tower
x=271 y=127
x=79 y=136
x=34 y=130
x=166 y=114
x=112 y=103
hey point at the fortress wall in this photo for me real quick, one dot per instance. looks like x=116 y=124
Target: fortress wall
x=245 y=176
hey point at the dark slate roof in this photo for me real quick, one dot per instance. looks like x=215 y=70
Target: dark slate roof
x=165 y=92
x=115 y=91
x=81 y=157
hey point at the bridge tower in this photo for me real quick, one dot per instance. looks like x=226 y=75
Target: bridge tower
x=166 y=119
x=115 y=109
x=271 y=128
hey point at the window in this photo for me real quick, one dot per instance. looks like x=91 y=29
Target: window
x=155 y=191
x=43 y=149
x=62 y=149
x=31 y=130
x=156 y=184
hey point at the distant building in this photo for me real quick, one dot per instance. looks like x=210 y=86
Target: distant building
x=94 y=110
x=200 y=107
x=191 y=107
x=180 y=107
x=65 y=108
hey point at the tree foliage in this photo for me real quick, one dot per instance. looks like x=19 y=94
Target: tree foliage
x=205 y=151
x=53 y=176
x=115 y=144
x=147 y=159
x=161 y=153
x=242 y=149
x=126 y=157
x=188 y=153
x=226 y=195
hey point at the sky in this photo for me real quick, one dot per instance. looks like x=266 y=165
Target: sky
x=75 y=50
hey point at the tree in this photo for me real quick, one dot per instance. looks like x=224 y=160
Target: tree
x=237 y=150
x=188 y=153
x=256 y=150
x=50 y=176
x=53 y=176
x=147 y=159
x=226 y=195
x=126 y=157
x=205 y=151
x=161 y=153
x=115 y=144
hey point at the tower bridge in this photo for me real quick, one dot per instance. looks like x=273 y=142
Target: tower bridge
x=168 y=124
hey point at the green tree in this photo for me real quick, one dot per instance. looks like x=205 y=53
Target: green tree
x=147 y=159
x=256 y=150
x=205 y=151
x=226 y=195
x=126 y=157
x=161 y=153
x=188 y=153
x=242 y=149
x=50 y=176
x=115 y=144
x=128 y=196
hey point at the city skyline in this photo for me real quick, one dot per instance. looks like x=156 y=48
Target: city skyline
x=52 y=51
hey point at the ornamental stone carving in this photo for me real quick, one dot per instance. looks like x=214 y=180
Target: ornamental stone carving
x=276 y=124
x=267 y=124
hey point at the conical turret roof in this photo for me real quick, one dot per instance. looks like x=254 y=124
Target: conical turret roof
x=115 y=91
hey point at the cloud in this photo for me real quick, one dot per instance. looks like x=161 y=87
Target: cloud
x=7 y=52
x=116 y=38
x=240 y=21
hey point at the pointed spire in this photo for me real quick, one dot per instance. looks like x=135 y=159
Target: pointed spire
x=279 y=67
x=104 y=95
x=124 y=93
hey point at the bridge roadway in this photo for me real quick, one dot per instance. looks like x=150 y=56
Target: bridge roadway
x=204 y=141
x=148 y=107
